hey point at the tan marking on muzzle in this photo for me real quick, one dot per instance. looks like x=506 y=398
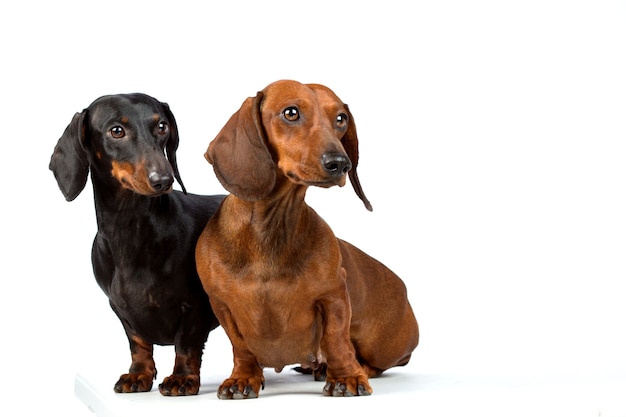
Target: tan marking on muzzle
x=133 y=177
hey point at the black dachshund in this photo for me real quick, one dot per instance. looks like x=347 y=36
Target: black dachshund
x=143 y=252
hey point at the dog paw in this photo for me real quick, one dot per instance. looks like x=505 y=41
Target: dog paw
x=134 y=382
x=347 y=387
x=240 y=389
x=179 y=385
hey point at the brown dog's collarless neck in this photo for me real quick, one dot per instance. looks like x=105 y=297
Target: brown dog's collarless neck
x=279 y=219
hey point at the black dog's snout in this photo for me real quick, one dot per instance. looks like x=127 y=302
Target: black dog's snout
x=336 y=164
x=160 y=182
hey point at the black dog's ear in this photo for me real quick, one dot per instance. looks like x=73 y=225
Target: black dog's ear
x=239 y=154
x=172 y=145
x=350 y=143
x=69 y=161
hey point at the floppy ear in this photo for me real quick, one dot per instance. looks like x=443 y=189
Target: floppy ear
x=350 y=143
x=69 y=161
x=239 y=154
x=172 y=145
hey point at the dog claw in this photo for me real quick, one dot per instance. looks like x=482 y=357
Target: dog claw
x=326 y=389
x=339 y=390
x=223 y=394
x=248 y=392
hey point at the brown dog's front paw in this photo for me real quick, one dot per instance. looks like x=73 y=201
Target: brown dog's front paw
x=240 y=389
x=347 y=387
x=134 y=382
x=179 y=385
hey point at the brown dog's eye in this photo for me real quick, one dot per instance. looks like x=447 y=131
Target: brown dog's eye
x=162 y=128
x=118 y=132
x=342 y=120
x=291 y=114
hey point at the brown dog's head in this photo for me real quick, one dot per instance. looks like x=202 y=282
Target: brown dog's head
x=302 y=131
x=123 y=140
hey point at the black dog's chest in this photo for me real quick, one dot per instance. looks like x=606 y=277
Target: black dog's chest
x=137 y=289
x=148 y=287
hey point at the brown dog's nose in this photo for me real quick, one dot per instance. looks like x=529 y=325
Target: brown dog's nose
x=336 y=164
x=160 y=182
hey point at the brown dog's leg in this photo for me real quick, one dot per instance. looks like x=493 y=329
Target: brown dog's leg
x=246 y=380
x=186 y=377
x=344 y=375
x=142 y=369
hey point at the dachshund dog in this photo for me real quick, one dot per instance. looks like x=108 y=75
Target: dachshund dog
x=143 y=252
x=283 y=287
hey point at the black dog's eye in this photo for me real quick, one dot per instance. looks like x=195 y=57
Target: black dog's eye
x=342 y=120
x=291 y=114
x=118 y=132
x=162 y=128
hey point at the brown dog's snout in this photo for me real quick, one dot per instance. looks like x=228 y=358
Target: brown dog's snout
x=336 y=164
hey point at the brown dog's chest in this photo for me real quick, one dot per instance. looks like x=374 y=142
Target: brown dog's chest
x=280 y=322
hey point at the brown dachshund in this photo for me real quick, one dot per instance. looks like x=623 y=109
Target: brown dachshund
x=284 y=288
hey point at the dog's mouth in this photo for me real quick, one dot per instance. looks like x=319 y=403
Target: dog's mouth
x=322 y=182
x=142 y=188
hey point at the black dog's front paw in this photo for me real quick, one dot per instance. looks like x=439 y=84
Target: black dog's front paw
x=134 y=382
x=175 y=385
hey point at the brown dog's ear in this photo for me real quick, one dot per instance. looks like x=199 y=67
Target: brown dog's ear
x=239 y=154
x=69 y=162
x=172 y=145
x=350 y=143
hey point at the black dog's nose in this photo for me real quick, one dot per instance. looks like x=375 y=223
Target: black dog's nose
x=160 y=182
x=336 y=164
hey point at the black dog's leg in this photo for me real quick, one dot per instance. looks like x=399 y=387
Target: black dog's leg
x=185 y=380
x=142 y=369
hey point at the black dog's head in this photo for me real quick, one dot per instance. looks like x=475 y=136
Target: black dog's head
x=123 y=139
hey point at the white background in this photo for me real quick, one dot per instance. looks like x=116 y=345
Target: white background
x=493 y=146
